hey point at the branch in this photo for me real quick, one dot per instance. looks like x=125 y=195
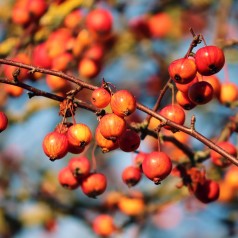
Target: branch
x=38 y=92
x=141 y=107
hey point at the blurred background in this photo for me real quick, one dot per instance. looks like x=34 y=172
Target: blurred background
x=32 y=202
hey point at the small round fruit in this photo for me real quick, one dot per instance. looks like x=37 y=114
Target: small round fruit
x=173 y=113
x=74 y=149
x=123 y=103
x=229 y=93
x=215 y=82
x=88 y=68
x=67 y=179
x=183 y=70
x=156 y=166
x=55 y=83
x=99 y=21
x=218 y=159
x=131 y=176
x=79 y=135
x=139 y=159
x=103 y=225
x=129 y=141
x=100 y=97
x=160 y=24
x=208 y=191
x=183 y=100
x=3 y=121
x=200 y=93
x=185 y=87
x=9 y=70
x=105 y=144
x=12 y=90
x=131 y=206
x=94 y=184
x=209 y=60
x=55 y=145
x=112 y=126
x=79 y=166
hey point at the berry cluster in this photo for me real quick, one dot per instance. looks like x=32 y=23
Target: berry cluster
x=195 y=79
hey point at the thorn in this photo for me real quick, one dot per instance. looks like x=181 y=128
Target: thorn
x=31 y=94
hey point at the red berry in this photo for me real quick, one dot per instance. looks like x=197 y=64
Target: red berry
x=173 y=113
x=75 y=149
x=218 y=159
x=207 y=192
x=183 y=70
x=229 y=93
x=100 y=97
x=79 y=166
x=185 y=87
x=183 y=100
x=156 y=166
x=112 y=126
x=123 y=103
x=139 y=159
x=103 y=225
x=94 y=184
x=131 y=176
x=67 y=179
x=3 y=121
x=105 y=144
x=209 y=60
x=79 y=135
x=200 y=92
x=129 y=140
x=99 y=21
x=55 y=145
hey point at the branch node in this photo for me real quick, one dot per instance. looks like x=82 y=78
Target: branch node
x=15 y=75
x=193 y=121
x=31 y=94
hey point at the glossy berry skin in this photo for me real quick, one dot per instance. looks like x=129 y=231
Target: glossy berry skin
x=3 y=121
x=185 y=87
x=216 y=85
x=129 y=141
x=79 y=166
x=183 y=70
x=209 y=60
x=218 y=159
x=200 y=93
x=131 y=176
x=105 y=144
x=99 y=21
x=208 y=191
x=103 y=225
x=100 y=97
x=94 y=184
x=173 y=113
x=123 y=103
x=183 y=100
x=156 y=166
x=112 y=126
x=55 y=145
x=79 y=135
x=67 y=179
